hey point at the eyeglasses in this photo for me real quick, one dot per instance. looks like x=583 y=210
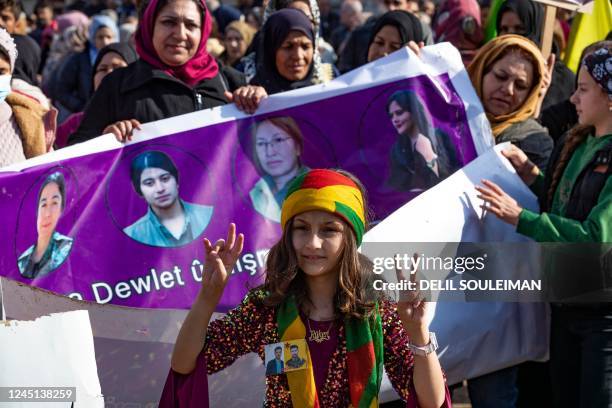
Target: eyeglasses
x=274 y=143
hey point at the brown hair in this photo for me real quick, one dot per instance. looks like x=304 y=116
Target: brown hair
x=287 y=125
x=355 y=295
x=575 y=136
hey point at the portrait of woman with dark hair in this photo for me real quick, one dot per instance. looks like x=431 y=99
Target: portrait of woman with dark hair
x=421 y=156
x=277 y=148
x=169 y=221
x=51 y=248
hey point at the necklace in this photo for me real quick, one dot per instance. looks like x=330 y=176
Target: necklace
x=319 y=336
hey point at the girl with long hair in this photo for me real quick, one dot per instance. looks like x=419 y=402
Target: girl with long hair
x=576 y=206
x=318 y=287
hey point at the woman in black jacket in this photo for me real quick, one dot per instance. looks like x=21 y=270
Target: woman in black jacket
x=174 y=75
x=526 y=18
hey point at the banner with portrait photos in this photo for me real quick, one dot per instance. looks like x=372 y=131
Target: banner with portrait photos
x=124 y=224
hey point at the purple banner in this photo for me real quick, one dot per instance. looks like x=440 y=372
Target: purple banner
x=125 y=226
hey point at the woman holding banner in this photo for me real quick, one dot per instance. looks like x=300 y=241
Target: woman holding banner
x=288 y=41
x=526 y=18
x=318 y=291
x=174 y=75
x=576 y=203
x=510 y=77
x=113 y=56
x=392 y=31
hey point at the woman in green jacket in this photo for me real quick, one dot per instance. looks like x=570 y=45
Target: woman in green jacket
x=576 y=201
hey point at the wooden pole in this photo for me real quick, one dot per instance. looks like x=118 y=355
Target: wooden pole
x=549 y=28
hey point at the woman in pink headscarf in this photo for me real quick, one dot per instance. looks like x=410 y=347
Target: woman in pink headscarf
x=458 y=22
x=174 y=75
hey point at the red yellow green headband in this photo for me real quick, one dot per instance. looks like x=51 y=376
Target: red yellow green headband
x=326 y=190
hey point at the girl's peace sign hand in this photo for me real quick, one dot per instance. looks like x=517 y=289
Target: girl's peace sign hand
x=220 y=260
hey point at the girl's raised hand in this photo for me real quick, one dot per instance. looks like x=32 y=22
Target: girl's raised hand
x=220 y=260
x=411 y=306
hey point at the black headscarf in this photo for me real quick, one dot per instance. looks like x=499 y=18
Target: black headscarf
x=28 y=59
x=408 y=25
x=124 y=50
x=531 y=15
x=274 y=32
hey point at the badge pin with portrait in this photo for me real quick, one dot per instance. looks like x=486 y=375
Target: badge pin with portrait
x=296 y=355
x=274 y=358
x=284 y=357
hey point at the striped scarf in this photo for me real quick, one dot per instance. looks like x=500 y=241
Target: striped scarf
x=364 y=354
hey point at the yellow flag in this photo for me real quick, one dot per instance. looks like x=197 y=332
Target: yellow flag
x=587 y=29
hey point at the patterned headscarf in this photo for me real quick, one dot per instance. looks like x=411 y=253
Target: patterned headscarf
x=599 y=65
x=326 y=190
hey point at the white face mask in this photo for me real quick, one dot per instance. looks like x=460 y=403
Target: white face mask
x=5 y=86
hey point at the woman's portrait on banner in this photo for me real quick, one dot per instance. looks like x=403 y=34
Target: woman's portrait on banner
x=51 y=247
x=421 y=156
x=277 y=147
x=169 y=220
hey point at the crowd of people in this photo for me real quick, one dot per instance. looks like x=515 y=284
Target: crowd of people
x=94 y=67
x=186 y=56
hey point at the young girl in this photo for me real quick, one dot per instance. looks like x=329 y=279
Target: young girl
x=577 y=207
x=318 y=288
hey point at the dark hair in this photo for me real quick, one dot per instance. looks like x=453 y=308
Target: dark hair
x=575 y=136
x=287 y=125
x=148 y=159
x=355 y=295
x=40 y=4
x=410 y=101
x=14 y=5
x=256 y=12
x=4 y=55
x=294 y=346
x=57 y=178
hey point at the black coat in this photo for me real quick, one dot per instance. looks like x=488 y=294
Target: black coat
x=409 y=169
x=562 y=85
x=73 y=87
x=147 y=94
x=559 y=118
